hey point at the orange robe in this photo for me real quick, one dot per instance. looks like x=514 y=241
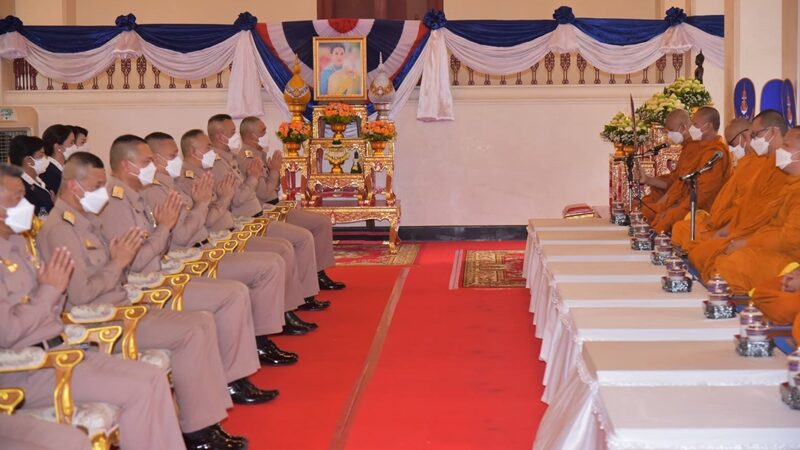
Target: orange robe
x=758 y=206
x=650 y=203
x=769 y=249
x=796 y=330
x=676 y=205
x=777 y=305
x=728 y=200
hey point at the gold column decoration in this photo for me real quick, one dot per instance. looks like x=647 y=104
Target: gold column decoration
x=297 y=94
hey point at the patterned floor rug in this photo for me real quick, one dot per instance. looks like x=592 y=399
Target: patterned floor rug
x=493 y=269
x=367 y=254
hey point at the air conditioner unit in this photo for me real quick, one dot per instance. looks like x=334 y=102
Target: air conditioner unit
x=14 y=121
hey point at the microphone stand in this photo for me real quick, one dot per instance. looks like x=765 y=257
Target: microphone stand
x=693 y=204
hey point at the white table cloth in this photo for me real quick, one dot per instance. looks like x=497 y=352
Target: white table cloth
x=544 y=298
x=624 y=324
x=697 y=417
x=569 y=422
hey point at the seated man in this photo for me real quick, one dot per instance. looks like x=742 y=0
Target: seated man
x=132 y=169
x=675 y=204
x=752 y=260
x=26 y=152
x=99 y=272
x=252 y=138
x=31 y=301
x=198 y=161
x=715 y=225
x=760 y=201
x=262 y=272
x=677 y=125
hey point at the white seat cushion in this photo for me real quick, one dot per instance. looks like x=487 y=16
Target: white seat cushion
x=96 y=418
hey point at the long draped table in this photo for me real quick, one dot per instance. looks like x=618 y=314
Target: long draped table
x=630 y=366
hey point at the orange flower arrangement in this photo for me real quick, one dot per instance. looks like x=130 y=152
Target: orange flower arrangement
x=379 y=130
x=293 y=132
x=339 y=113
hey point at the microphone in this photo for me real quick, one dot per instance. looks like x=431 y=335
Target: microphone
x=716 y=157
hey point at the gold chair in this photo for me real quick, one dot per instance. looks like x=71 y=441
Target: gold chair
x=100 y=421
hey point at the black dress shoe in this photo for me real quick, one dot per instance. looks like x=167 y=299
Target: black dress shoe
x=294 y=330
x=210 y=438
x=325 y=282
x=243 y=392
x=293 y=319
x=269 y=353
x=234 y=442
x=312 y=304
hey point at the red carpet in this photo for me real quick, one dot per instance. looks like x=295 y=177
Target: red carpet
x=457 y=370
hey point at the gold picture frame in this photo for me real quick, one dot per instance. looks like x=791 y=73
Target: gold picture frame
x=345 y=81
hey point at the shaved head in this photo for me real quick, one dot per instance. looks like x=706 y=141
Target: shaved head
x=190 y=140
x=735 y=128
x=791 y=140
x=707 y=114
x=124 y=148
x=768 y=119
x=249 y=125
x=677 y=118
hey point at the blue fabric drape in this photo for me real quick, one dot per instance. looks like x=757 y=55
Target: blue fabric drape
x=500 y=33
x=186 y=38
x=710 y=24
x=299 y=36
x=383 y=38
x=66 y=39
x=621 y=31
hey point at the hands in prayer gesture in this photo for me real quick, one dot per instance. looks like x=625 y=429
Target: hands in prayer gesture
x=167 y=213
x=57 y=270
x=227 y=186
x=202 y=188
x=124 y=248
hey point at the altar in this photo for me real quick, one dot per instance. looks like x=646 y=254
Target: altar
x=340 y=163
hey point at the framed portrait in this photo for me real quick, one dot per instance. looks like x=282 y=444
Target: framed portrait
x=340 y=68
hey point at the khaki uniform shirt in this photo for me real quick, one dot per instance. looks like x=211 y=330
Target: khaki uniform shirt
x=95 y=279
x=219 y=213
x=29 y=313
x=191 y=226
x=270 y=182
x=245 y=202
x=126 y=209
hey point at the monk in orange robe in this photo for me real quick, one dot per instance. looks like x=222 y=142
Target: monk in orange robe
x=779 y=298
x=765 y=253
x=677 y=125
x=675 y=206
x=759 y=204
x=737 y=134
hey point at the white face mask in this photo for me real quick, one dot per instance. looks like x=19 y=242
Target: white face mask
x=147 y=174
x=40 y=165
x=70 y=150
x=782 y=158
x=19 y=217
x=263 y=141
x=208 y=159
x=235 y=142
x=174 y=166
x=737 y=151
x=675 y=137
x=760 y=145
x=94 y=201
x=695 y=133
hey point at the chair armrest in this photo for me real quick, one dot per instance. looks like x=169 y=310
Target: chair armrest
x=62 y=361
x=105 y=337
x=10 y=398
x=129 y=316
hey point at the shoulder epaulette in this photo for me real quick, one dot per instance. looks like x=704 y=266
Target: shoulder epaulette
x=68 y=217
x=118 y=192
x=217 y=157
x=248 y=153
x=188 y=174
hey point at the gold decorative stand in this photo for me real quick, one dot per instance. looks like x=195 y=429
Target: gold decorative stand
x=344 y=195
